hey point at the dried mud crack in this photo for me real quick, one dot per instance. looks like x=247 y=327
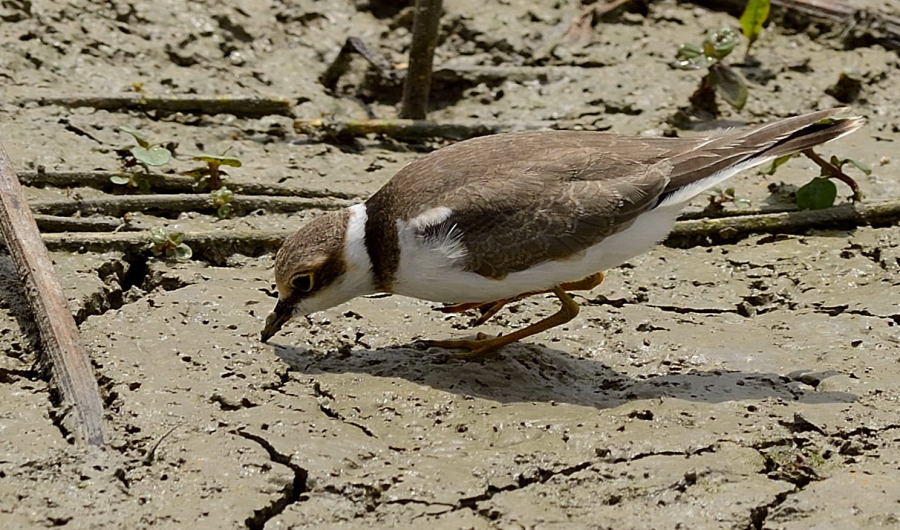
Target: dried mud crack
x=290 y=494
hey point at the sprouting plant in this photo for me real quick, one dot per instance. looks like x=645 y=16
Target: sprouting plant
x=719 y=79
x=169 y=244
x=821 y=191
x=752 y=19
x=143 y=154
x=221 y=199
x=210 y=175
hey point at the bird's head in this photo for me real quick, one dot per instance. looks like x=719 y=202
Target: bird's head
x=320 y=266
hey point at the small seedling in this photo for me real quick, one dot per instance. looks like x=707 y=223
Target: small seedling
x=719 y=79
x=754 y=16
x=144 y=154
x=221 y=199
x=210 y=175
x=169 y=244
x=821 y=191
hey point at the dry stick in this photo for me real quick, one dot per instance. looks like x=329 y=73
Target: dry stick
x=54 y=223
x=411 y=129
x=685 y=234
x=239 y=106
x=59 y=335
x=167 y=183
x=181 y=202
x=355 y=45
x=835 y=172
x=689 y=233
x=421 y=56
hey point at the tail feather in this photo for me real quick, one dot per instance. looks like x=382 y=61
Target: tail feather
x=722 y=157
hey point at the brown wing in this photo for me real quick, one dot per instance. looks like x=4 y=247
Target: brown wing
x=510 y=228
x=522 y=199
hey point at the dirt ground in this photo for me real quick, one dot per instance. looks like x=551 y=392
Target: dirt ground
x=751 y=385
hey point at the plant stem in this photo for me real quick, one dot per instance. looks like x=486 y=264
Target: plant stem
x=421 y=57
x=835 y=172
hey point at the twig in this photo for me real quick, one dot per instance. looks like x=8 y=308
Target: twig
x=167 y=183
x=728 y=229
x=119 y=205
x=59 y=335
x=214 y=246
x=239 y=106
x=54 y=223
x=835 y=172
x=410 y=129
x=151 y=454
x=417 y=85
x=352 y=46
x=217 y=245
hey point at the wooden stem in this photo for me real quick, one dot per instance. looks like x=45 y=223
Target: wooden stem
x=61 y=343
x=835 y=172
x=166 y=183
x=238 y=106
x=421 y=57
x=119 y=205
x=410 y=129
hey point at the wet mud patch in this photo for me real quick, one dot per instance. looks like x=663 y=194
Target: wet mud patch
x=746 y=385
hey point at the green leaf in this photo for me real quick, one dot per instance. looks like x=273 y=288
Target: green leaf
x=718 y=44
x=729 y=84
x=221 y=196
x=778 y=162
x=183 y=252
x=220 y=160
x=839 y=162
x=755 y=14
x=817 y=194
x=158 y=235
x=136 y=135
x=156 y=155
x=176 y=238
x=688 y=51
x=225 y=211
x=860 y=165
x=121 y=180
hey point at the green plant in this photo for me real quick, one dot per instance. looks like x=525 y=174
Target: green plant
x=210 y=175
x=143 y=154
x=169 y=244
x=752 y=19
x=221 y=199
x=821 y=191
x=719 y=79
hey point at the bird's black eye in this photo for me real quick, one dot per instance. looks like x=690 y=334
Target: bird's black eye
x=302 y=282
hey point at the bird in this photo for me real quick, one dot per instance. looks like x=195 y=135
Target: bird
x=485 y=221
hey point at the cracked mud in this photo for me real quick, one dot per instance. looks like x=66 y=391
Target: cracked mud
x=751 y=385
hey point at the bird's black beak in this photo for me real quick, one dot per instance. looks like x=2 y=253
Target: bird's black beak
x=276 y=319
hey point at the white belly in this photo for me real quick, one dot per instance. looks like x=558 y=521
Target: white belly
x=434 y=272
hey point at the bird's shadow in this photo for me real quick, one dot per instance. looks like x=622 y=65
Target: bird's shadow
x=530 y=373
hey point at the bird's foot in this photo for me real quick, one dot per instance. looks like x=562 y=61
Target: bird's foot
x=480 y=347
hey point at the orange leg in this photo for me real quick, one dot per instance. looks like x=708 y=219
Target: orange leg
x=490 y=309
x=483 y=347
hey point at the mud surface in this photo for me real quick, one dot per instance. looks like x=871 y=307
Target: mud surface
x=752 y=385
